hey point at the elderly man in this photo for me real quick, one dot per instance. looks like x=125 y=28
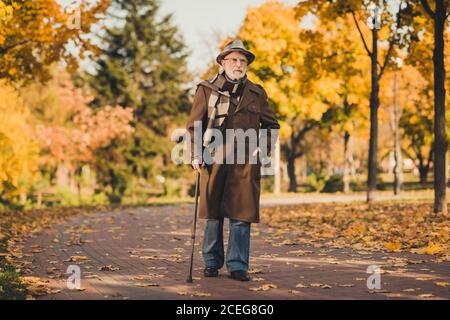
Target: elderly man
x=229 y=190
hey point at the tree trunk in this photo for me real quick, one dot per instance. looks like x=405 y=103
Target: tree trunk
x=62 y=175
x=424 y=169
x=39 y=199
x=23 y=197
x=346 y=173
x=397 y=151
x=78 y=175
x=291 y=173
x=374 y=103
x=423 y=173
x=440 y=145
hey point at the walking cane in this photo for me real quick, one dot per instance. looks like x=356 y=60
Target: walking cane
x=194 y=226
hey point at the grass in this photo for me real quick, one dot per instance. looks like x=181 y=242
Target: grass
x=11 y=287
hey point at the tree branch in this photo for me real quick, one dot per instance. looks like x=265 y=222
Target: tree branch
x=299 y=154
x=408 y=154
x=361 y=34
x=387 y=57
x=391 y=43
x=297 y=137
x=4 y=50
x=427 y=8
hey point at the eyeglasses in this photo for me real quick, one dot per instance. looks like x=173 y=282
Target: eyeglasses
x=235 y=61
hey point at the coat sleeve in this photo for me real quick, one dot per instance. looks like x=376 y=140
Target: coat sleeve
x=199 y=112
x=268 y=120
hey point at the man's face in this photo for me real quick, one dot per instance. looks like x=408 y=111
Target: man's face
x=235 y=65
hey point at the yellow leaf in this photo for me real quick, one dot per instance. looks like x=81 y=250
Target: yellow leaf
x=264 y=287
x=76 y=259
x=424 y=278
x=320 y=285
x=442 y=284
x=432 y=248
x=393 y=246
x=142 y=284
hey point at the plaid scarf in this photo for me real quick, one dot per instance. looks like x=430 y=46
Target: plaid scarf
x=219 y=101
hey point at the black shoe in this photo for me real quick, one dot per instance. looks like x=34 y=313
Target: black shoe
x=239 y=275
x=211 y=272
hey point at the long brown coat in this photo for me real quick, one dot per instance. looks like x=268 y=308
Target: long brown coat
x=233 y=190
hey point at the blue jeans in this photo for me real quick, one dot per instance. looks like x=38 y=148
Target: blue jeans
x=238 y=245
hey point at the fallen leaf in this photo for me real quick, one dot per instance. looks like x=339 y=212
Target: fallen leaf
x=257 y=279
x=432 y=248
x=76 y=259
x=142 y=284
x=442 y=284
x=394 y=295
x=378 y=291
x=424 y=278
x=288 y=243
x=51 y=270
x=393 y=246
x=108 y=268
x=320 y=285
x=255 y=271
x=264 y=287
x=346 y=285
x=427 y=295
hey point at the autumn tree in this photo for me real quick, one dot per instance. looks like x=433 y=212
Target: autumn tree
x=385 y=25
x=416 y=123
x=339 y=61
x=69 y=132
x=272 y=33
x=19 y=151
x=420 y=57
x=142 y=66
x=313 y=76
x=439 y=13
x=34 y=34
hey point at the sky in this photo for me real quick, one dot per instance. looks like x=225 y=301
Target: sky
x=202 y=21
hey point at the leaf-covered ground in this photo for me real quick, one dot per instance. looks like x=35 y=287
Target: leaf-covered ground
x=15 y=227
x=308 y=251
x=387 y=226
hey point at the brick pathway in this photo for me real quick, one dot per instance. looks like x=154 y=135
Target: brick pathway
x=151 y=246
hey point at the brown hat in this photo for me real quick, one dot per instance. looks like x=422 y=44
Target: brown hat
x=235 y=45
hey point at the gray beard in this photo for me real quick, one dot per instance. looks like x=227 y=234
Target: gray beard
x=233 y=80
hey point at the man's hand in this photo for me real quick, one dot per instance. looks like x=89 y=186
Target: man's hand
x=197 y=165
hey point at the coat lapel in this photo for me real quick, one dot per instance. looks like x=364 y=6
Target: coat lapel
x=247 y=97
